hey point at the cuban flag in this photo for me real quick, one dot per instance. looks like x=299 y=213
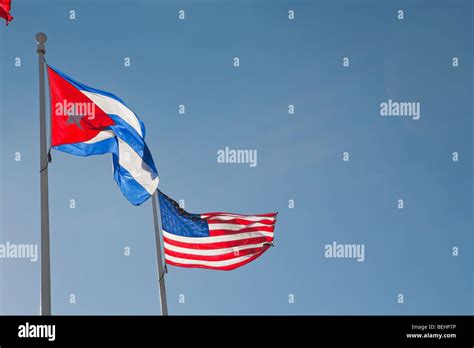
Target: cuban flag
x=86 y=121
x=219 y=241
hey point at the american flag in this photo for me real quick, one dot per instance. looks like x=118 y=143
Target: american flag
x=221 y=241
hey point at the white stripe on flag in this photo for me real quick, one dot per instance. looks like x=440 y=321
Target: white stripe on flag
x=130 y=161
x=134 y=164
x=235 y=227
x=114 y=107
x=212 y=252
x=105 y=134
x=224 y=218
x=217 y=239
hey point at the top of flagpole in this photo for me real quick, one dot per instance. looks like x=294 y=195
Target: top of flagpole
x=41 y=39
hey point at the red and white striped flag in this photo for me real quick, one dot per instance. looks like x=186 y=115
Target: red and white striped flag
x=221 y=241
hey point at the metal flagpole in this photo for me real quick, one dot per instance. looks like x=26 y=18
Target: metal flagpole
x=159 y=258
x=45 y=255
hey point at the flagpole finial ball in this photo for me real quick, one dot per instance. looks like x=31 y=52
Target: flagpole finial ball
x=41 y=38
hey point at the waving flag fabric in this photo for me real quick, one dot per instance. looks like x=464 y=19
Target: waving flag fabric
x=221 y=241
x=5 y=6
x=86 y=121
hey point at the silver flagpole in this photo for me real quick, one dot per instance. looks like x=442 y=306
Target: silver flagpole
x=45 y=255
x=159 y=258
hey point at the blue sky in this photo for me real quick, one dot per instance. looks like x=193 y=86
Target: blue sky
x=407 y=251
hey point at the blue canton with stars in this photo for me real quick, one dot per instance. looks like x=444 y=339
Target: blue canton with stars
x=179 y=222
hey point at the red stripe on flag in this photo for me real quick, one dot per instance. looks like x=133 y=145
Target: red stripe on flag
x=221 y=257
x=220 y=232
x=238 y=221
x=207 y=215
x=221 y=268
x=219 y=245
